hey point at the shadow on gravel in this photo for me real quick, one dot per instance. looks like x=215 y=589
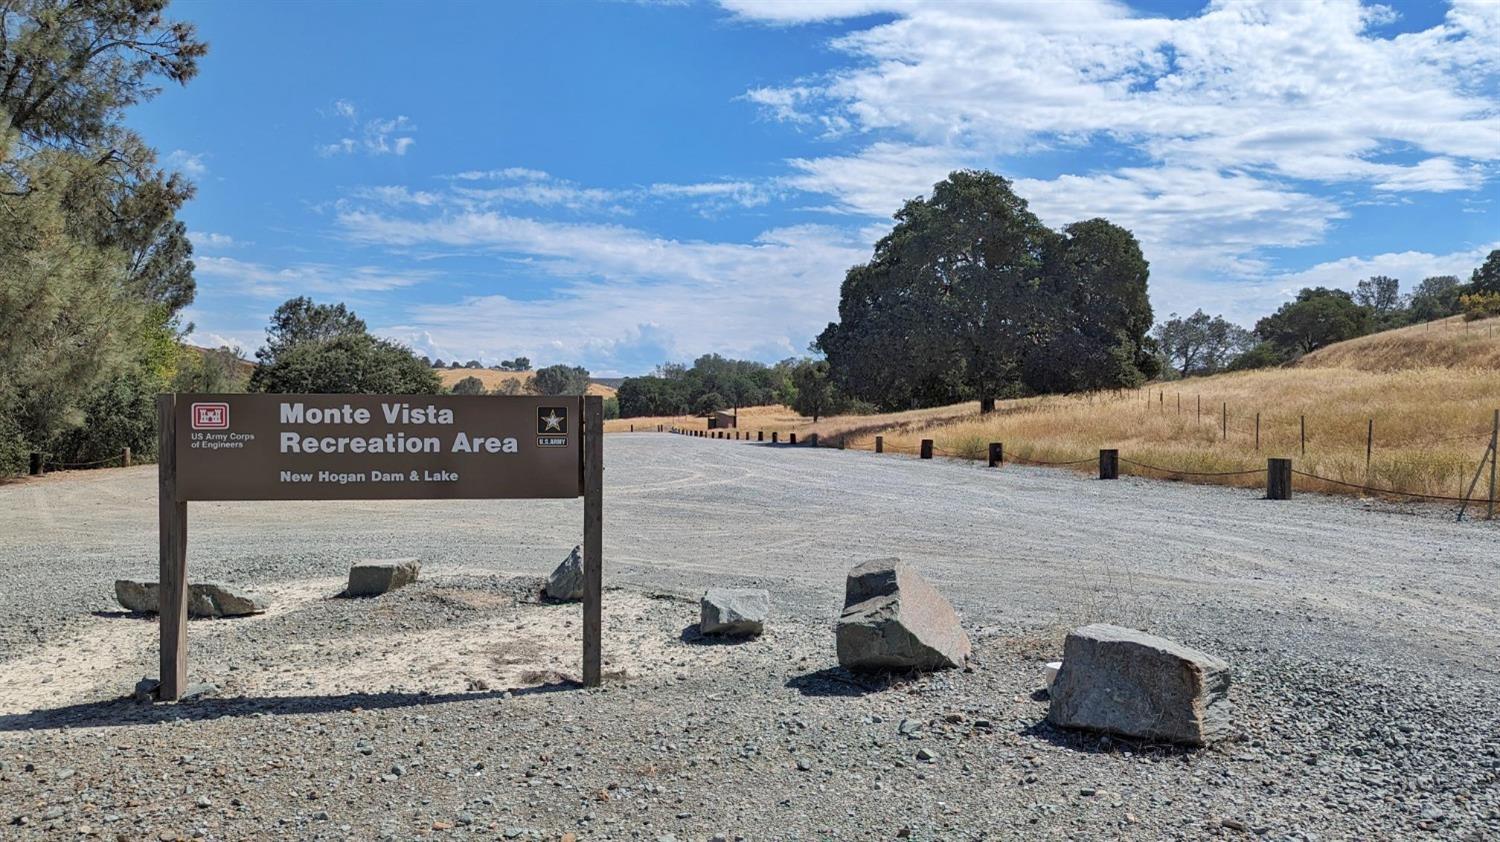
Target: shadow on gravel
x=691 y=636
x=835 y=681
x=127 y=711
x=1091 y=743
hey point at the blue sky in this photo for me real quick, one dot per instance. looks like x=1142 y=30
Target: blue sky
x=617 y=184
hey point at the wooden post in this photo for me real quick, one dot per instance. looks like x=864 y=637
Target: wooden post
x=1109 y=464
x=760 y=435
x=1278 y=479
x=38 y=466
x=172 y=594
x=632 y=428
x=841 y=442
x=1304 y=435
x=791 y=438
x=926 y=448
x=593 y=539
x=1494 y=440
x=1225 y=422
x=1257 y=431
x=1200 y=409
x=1369 y=448
x=997 y=454
x=774 y=435
x=812 y=439
x=880 y=444
x=125 y=458
x=1179 y=403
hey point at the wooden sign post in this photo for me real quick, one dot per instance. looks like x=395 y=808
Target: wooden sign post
x=374 y=447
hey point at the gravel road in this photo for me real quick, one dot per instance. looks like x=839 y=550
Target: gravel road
x=1364 y=638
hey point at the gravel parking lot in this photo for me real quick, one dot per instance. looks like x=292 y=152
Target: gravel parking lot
x=1364 y=638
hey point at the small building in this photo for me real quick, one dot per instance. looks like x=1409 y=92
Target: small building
x=722 y=420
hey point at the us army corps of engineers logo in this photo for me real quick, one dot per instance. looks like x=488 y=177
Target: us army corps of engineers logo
x=552 y=426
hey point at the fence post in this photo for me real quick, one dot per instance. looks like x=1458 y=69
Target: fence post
x=38 y=467
x=880 y=444
x=760 y=435
x=812 y=439
x=1369 y=448
x=1224 y=422
x=774 y=436
x=632 y=428
x=1494 y=440
x=926 y=449
x=1304 y=435
x=791 y=438
x=1257 y=431
x=841 y=442
x=997 y=454
x=1278 y=479
x=125 y=458
x=1109 y=464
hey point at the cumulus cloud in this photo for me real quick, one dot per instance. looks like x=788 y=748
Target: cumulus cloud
x=188 y=163
x=1250 y=127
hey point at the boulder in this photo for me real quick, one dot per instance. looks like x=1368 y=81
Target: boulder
x=894 y=620
x=735 y=612
x=1122 y=681
x=139 y=597
x=204 y=600
x=378 y=576
x=566 y=582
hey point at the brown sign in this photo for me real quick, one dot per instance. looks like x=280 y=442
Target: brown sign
x=359 y=447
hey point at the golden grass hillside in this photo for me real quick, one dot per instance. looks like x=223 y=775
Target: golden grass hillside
x=1444 y=343
x=1430 y=393
x=492 y=379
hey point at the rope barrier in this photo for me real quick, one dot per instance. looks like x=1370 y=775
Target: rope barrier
x=1014 y=457
x=69 y=465
x=1193 y=473
x=1391 y=491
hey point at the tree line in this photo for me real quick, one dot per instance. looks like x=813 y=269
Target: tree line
x=1201 y=344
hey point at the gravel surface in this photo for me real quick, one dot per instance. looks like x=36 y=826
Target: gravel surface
x=1363 y=637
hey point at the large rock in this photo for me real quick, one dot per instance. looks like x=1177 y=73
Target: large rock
x=566 y=582
x=378 y=576
x=894 y=620
x=735 y=612
x=1123 y=681
x=204 y=600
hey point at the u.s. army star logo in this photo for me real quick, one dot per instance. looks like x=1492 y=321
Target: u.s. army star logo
x=552 y=420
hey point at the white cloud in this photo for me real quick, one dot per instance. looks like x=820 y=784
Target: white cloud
x=189 y=163
x=259 y=280
x=782 y=287
x=211 y=240
x=373 y=136
x=1254 y=125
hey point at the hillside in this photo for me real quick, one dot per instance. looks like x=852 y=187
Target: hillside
x=492 y=379
x=1445 y=343
x=1430 y=393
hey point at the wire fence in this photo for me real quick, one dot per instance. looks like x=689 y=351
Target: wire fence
x=1109 y=460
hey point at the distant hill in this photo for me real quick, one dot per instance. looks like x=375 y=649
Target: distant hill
x=1444 y=343
x=492 y=379
x=246 y=367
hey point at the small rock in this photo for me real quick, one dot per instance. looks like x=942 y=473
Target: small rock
x=145 y=690
x=566 y=582
x=733 y=611
x=377 y=576
x=204 y=600
x=198 y=690
x=926 y=755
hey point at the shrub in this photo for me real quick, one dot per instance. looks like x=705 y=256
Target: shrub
x=1480 y=305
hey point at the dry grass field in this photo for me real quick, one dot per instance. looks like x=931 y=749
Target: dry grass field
x=1430 y=392
x=492 y=379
